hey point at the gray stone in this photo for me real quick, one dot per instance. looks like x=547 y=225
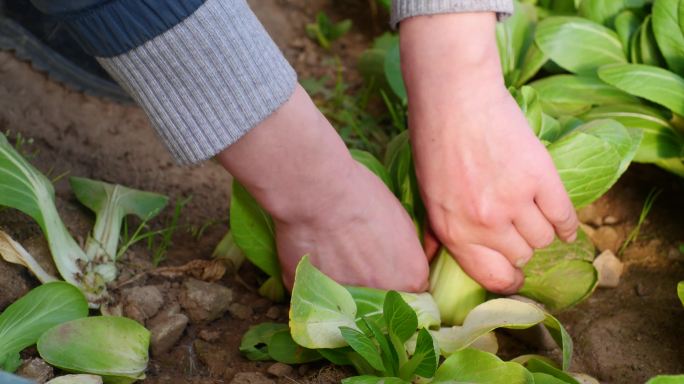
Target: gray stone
x=251 y=378
x=141 y=303
x=166 y=333
x=204 y=301
x=36 y=369
x=240 y=311
x=279 y=370
x=609 y=269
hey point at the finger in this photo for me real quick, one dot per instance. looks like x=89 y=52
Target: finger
x=554 y=203
x=510 y=244
x=534 y=227
x=430 y=243
x=489 y=268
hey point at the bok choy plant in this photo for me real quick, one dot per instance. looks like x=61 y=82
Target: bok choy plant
x=24 y=188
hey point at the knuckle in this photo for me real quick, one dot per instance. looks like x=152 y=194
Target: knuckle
x=501 y=284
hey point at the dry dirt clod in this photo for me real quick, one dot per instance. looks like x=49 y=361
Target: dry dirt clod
x=209 y=335
x=36 y=369
x=251 y=378
x=240 y=311
x=273 y=313
x=279 y=370
x=167 y=332
x=609 y=269
x=141 y=303
x=215 y=358
x=606 y=238
x=163 y=314
x=610 y=220
x=204 y=301
x=589 y=215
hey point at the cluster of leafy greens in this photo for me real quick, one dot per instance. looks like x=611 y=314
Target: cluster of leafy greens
x=26 y=189
x=54 y=315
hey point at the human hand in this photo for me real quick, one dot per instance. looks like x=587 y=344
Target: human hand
x=490 y=187
x=324 y=203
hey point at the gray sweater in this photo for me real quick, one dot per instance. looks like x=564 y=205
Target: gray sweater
x=215 y=75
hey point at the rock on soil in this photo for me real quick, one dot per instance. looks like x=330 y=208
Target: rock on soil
x=589 y=215
x=279 y=370
x=209 y=335
x=240 y=311
x=214 y=357
x=141 y=303
x=205 y=301
x=166 y=332
x=251 y=378
x=273 y=313
x=609 y=269
x=36 y=369
x=606 y=238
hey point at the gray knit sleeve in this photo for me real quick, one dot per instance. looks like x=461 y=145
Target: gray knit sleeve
x=402 y=9
x=208 y=80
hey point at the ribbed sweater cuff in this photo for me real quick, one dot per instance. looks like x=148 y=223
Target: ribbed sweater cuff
x=208 y=80
x=402 y=9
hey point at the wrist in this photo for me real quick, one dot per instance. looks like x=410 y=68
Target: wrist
x=293 y=163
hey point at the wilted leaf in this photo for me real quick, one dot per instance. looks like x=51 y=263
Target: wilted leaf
x=13 y=252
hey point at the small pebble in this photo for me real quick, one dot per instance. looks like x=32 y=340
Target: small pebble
x=606 y=238
x=240 y=311
x=641 y=290
x=209 y=335
x=37 y=370
x=589 y=215
x=675 y=255
x=610 y=220
x=609 y=269
x=273 y=313
x=279 y=370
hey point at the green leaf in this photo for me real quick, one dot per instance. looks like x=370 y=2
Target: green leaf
x=533 y=61
x=660 y=140
x=319 y=307
x=109 y=346
x=550 y=129
x=528 y=100
x=605 y=11
x=364 y=346
x=367 y=379
x=490 y=315
x=579 y=45
x=668 y=34
x=24 y=188
x=471 y=366
x=592 y=157
x=561 y=275
x=369 y=303
x=515 y=36
x=540 y=366
x=562 y=338
x=400 y=318
x=678 y=379
x=654 y=84
x=393 y=72
x=626 y=25
x=561 y=95
x=390 y=358
x=338 y=356
x=374 y=165
x=648 y=49
x=256 y=340
x=543 y=378
x=282 y=348
x=455 y=292
x=680 y=291
x=253 y=231
x=425 y=357
x=111 y=203
x=44 y=307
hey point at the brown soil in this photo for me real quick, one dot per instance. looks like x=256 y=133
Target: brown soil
x=622 y=335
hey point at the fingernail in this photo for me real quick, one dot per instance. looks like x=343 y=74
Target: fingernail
x=572 y=237
x=521 y=262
